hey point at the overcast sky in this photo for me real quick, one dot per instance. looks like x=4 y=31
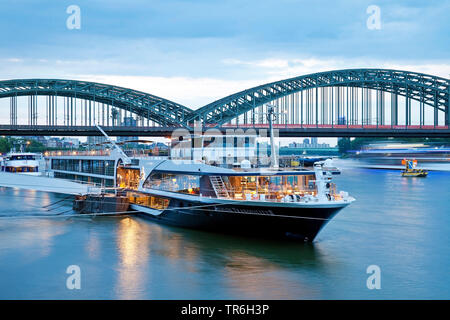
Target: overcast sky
x=194 y=52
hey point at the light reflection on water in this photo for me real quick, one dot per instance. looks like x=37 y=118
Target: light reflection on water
x=400 y=224
x=133 y=247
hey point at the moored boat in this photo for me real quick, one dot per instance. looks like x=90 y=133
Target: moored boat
x=269 y=203
x=22 y=162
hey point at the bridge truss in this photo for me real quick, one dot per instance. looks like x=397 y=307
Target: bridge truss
x=72 y=103
x=356 y=99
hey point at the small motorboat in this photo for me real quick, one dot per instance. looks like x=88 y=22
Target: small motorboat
x=411 y=171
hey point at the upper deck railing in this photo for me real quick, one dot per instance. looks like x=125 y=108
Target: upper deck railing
x=77 y=153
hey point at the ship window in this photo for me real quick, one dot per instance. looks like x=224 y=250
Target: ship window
x=22 y=157
x=272 y=188
x=128 y=178
x=182 y=183
x=148 y=201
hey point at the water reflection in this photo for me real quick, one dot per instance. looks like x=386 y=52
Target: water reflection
x=245 y=267
x=251 y=277
x=93 y=245
x=36 y=237
x=133 y=247
x=217 y=249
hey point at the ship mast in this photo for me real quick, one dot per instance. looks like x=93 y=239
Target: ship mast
x=270 y=116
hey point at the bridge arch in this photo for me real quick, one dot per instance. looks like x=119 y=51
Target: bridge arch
x=159 y=110
x=427 y=89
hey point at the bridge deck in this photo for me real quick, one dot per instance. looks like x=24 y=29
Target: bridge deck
x=283 y=130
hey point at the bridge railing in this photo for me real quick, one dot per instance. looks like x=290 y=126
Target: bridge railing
x=338 y=126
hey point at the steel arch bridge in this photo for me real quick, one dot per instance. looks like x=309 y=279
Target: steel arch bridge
x=426 y=89
x=349 y=102
x=159 y=110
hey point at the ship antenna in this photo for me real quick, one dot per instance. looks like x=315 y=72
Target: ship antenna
x=126 y=159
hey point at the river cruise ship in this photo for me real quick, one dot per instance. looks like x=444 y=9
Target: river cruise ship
x=270 y=203
x=294 y=203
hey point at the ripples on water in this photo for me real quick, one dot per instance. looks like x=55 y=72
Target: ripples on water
x=400 y=224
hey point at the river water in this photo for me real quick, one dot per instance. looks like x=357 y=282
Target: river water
x=401 y=225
